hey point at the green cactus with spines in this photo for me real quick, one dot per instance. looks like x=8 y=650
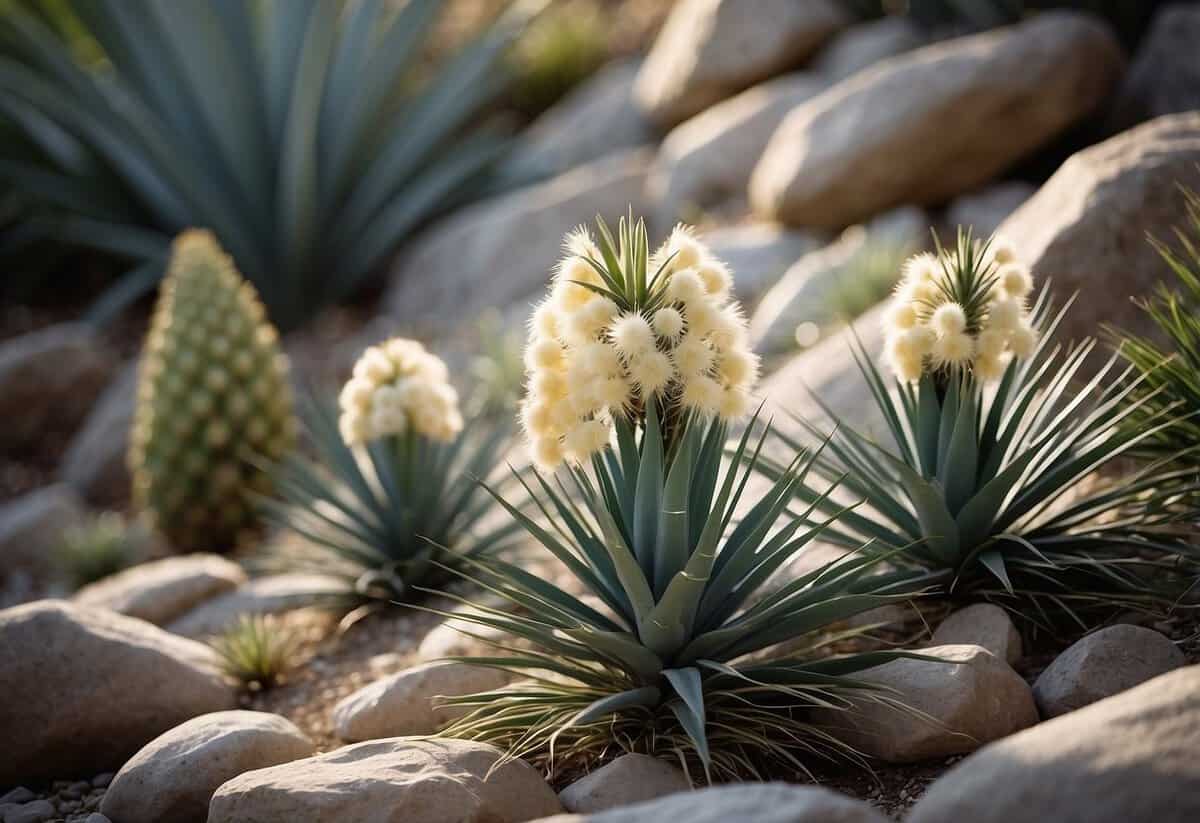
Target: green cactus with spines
x=213 y=401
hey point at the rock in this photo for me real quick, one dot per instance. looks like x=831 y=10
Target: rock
x=49 y=380
x=984 y=210
x=631 y=778
x=985 y=625
x=1164 y=77
x=96 y=817
x=389 y=781
x=503 y=249
x=972 y=699
x=94 y=464
x=806 y=291
x=85 y=688
x=958 y=113
x=597 y=118
x=758 y=254
x=32 y=525
x=1088 y=224
x=173 y=777
x=446 y=640
x=865 y=44
x=829 y=370
x=264 y=595
x=751 y=802
x=37 y=811
x=404 y=703
x=710 y=49
x=17 y=796
x=1101 y=664
x=706 y=160
x=162 y=590
x=1130 y=757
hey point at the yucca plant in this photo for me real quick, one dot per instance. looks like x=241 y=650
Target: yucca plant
x=653 y=655
x=390 y=498
x=298 y=131
x=995 y=438
x=1170 y=374
x=257 y=651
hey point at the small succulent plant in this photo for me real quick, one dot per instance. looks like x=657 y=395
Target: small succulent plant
x=103 y=546
x=213 y=398
x=258 y=650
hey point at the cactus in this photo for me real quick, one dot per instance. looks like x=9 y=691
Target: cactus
x=213 y=401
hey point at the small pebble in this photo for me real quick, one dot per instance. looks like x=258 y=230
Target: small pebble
x=96 y=817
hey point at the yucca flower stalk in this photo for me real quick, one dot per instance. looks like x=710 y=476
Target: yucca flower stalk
x=1170 y=374
x=392 y=498
x=988 y=478
x=654 y=656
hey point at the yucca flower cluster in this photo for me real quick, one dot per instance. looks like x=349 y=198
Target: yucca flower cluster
x=960 y=309
x=398 y=386
x=599 y=349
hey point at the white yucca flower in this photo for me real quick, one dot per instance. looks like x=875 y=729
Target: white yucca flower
x=621 y=329
x=398 y=386
x=960 y=309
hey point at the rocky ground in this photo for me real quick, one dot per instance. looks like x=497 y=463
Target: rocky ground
x=808 y=147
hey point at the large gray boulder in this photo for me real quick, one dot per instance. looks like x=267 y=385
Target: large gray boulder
x=965 y=699
x=631 y=778
x=1102 y=664
x=1087 y=227
x=865 y=44
x=1164 y=77
x=173 y=777
x=162 y=590
x=407 y=702
x=706 y=160
x=499 y=251
x=49 y=380
x=1128 y=758
x=711 y=49
x=933 y=123
x=750 y=802
x=401 y=780
x=85 y=688
x=597 y=118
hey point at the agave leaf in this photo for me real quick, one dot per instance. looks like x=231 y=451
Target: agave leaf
x=646 y=696
x=648 y=497
x=993 y=561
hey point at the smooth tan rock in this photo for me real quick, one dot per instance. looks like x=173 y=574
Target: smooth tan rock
x=982 y=624
x=173 y=777
x=1164 y=76
x=161 y=590
x=1086 y=229
x=502 y=250
x=1102 y=664
x=32 y=527
x=1130 y=757
x=710 y=49
x=750 y=802
x=49 y=380
x=264 y=595
x=85 y=688
x=447 y=639
x=968 y=701
x=707 y=159
x=931 y=124
x=406 y=703
x=631 y=778
x=401 y=780
x=597 y=118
